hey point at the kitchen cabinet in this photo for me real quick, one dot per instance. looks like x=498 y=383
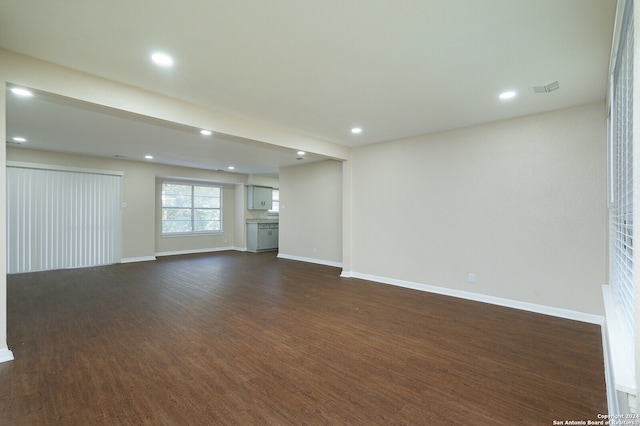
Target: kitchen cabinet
x=259 y=197
x=262 y=236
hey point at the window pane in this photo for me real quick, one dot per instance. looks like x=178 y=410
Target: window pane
x=176 y=214
x=176 y=201
x=206 y=225
x=208 y=191
x=174 y=189
x=169 y=226
x=209 y=202
x=206 y=214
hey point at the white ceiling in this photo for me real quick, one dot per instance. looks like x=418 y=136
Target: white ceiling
x=395 y=68
x=54 y=123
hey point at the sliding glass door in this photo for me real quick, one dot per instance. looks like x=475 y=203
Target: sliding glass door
x=61 y=219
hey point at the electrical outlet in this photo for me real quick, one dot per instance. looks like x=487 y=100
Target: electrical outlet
x=472 y=278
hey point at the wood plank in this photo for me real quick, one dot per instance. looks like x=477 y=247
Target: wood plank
x=243 y=338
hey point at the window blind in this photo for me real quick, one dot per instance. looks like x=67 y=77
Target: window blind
x=61 y=219
x=621 y=207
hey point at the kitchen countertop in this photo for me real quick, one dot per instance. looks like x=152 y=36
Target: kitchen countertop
x=262 y=221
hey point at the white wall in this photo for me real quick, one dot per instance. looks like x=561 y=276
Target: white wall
x=520 y=203
x=311 y=212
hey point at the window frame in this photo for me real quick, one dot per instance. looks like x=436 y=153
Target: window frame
x=192 y=209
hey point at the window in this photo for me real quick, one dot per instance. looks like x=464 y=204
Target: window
x=190 y=209
x=275 y=201
x=621 y=176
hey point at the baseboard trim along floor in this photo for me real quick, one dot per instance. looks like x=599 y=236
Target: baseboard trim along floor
x=477 y=297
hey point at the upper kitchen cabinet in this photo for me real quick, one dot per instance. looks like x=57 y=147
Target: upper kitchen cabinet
x=259 y=197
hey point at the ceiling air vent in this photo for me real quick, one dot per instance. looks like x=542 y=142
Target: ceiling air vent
x=546 y=89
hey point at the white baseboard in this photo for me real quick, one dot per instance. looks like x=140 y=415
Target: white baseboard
x=137 y=259
x=6 y=355
x=179 y=252
x=194 y=251
x=478 y=297
x=310 y=260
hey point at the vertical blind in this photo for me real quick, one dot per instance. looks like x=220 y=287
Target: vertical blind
x=61 y=219
x=621 y=202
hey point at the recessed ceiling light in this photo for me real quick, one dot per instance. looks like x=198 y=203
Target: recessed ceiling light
x=19 y=139
x=507 y=95
x=149 y=157
x=231 y=168
x=205 y=132
x=21 y=92
x=162 y=59
x=356 y=130
x=301 y=153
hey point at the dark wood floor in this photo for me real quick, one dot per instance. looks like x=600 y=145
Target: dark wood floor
x=248 y=339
